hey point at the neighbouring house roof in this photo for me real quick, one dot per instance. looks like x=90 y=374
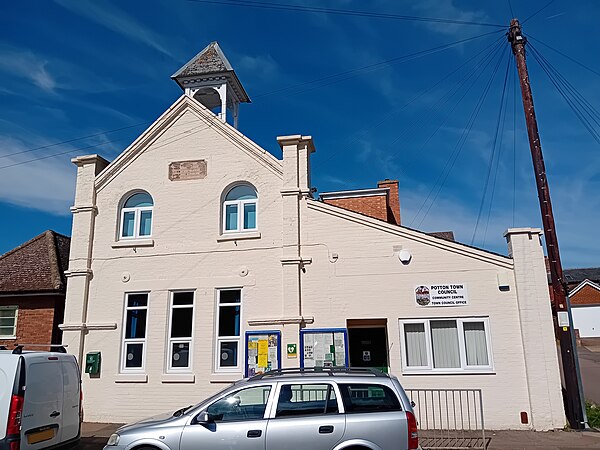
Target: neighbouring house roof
x=448 y=235
x=36 y=266
x=576 y=276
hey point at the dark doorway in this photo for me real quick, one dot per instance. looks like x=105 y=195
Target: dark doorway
x=368 y=347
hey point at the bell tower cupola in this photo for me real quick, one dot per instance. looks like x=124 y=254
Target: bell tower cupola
x=209 y=78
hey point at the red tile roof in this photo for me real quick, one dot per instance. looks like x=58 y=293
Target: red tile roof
x=37 y=265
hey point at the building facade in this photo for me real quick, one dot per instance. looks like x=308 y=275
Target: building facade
x=198 y=258
x=32 y=291
x=584 y=295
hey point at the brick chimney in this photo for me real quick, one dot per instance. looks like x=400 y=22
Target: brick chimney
x=394 y=200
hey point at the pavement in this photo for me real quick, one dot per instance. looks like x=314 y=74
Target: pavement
x=95 y=435
x=589 y=363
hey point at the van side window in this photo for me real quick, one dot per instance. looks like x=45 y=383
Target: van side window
x=303 y=399
x=365 y=398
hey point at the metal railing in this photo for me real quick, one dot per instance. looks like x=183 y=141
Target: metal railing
x=449 y=418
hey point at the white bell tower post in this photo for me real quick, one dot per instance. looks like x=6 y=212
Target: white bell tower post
x=209 y=78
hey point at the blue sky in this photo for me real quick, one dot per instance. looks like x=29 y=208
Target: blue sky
x=74 y=68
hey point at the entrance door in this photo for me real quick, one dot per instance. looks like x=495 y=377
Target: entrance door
x=368 y=347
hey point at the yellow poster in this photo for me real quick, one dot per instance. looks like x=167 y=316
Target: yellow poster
x=263 y=349
x=262 y=360
x=252 y=344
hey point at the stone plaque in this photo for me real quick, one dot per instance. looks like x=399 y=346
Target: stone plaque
x=187 y=170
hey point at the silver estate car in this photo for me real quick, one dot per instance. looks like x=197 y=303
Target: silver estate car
x=316 y=409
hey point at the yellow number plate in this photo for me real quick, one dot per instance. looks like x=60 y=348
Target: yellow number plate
x=40 y=436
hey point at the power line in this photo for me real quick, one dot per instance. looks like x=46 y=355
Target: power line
x=347 y=72
x=514 y=202
x=538 y=11
x=487 y=223
x=512 y=14
x=579 y=63
x=75 y=139
x=463 y=139
x=575 y=100
x=377 y=65
x=339 y=11
x=77 y=150
x=365 y=131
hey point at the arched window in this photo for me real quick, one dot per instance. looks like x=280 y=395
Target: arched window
x=239 y=209
x=136 y=216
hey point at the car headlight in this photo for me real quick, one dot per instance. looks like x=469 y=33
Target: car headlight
x=113 y=439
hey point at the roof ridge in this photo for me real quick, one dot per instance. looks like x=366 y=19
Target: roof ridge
x=24 y=244
x=53 y=259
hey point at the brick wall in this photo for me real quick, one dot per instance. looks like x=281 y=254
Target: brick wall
x=587 y=295
x=35 y=320
x=373 y=206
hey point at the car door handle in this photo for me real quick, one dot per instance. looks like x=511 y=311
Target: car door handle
x=254 y=433
x=54 y=414
x=325 y=429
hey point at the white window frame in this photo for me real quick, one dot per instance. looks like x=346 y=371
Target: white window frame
x=220 y=339
x=180 y=340
x=240 y=212
x=15 y=308
x=464 y=368
x=125 y=341
x=137 y=210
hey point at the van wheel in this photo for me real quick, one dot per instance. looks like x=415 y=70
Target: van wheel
x=145 y=447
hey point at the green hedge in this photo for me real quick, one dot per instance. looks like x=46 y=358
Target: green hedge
x=593 y=414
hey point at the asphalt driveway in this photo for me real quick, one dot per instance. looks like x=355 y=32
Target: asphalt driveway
x=589 y=362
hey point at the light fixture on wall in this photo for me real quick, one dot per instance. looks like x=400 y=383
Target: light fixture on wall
x=404 y=256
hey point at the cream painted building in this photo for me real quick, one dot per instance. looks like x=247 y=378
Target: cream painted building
x=198 y=258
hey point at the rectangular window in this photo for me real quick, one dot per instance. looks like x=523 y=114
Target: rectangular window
x=134 y=336
x=128 y=224
x=446 y=345
x=367 y=398
x=229 y=304
x=146 y=222
x=8 y=321
x=181 y=326
x=306 y=399
x=249 y=216
x=231 y=217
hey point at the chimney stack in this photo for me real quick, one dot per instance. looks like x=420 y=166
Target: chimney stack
x=394 y=200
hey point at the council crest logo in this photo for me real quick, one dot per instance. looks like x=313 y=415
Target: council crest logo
x=422 y=295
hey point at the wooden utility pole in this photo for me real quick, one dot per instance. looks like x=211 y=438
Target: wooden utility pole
x=575 y=408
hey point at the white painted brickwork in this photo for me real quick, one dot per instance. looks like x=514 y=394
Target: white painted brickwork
x=366 y=280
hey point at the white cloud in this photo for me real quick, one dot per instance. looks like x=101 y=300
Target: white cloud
x=446 y=9
x=117 y=21
x=262 y=67
x=46 y=185
x=27 y=65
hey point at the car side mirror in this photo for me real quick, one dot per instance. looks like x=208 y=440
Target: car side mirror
x=203 y=417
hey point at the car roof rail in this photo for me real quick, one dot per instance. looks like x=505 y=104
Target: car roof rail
x=331 y=371
x=60 y=348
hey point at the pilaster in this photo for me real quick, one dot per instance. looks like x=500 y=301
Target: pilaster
x=537 y=329
x=80 y=258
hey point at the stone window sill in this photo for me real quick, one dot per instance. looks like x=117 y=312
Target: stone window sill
x=131 y=378
x=178 y=378
x=225 y=377
x=239 y=236
x=133 y=243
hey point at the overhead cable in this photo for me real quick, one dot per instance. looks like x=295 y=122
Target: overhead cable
x=345 y=12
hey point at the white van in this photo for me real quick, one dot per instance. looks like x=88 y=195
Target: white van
x=40 y=399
